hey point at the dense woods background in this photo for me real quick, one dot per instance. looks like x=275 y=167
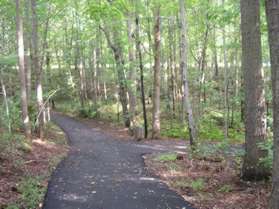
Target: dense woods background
x=205 y=71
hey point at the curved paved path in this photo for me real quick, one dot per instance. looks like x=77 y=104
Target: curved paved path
x=105 y=173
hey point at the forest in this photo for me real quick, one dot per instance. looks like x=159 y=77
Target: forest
x=176 y=97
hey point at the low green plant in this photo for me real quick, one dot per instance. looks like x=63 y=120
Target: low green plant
x=225 y=188
x=174 y=130
x=172 y=166
x=166 y=157
x=87 y=112
x=204 y=151
x=31 y=192
x=268 y=148
x=180 y=183
x=13 y=206
x=198 y=185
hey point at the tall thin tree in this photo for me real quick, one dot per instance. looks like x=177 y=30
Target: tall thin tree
x=183 y=65
x=255 y=118
x=157 y=78
x=38 y=69
x=272 y=13
x=139 y=54
x=22 y=76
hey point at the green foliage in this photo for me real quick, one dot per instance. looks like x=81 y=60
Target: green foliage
x=225 y=188
x=166 y=157
x=12 y=144
x=15 y=113
x=8 y=60
x=31 y=192
x=268 y=148
x=210 y=129
x=13 y=206
x=174 y=130
x=198 y=185
x=108 y=10
x=87 y=112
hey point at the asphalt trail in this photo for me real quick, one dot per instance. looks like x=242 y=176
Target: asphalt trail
x=105 y=173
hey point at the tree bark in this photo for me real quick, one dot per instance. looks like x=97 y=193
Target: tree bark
x=255 y=119
x=138 y=46
x=5 y=101
x=226 y=76
x=119 y=59
x=157 y=78
x=183 y=65
x=38 y=69
x=272 y=13
x=131 y=73
x=22 y=76
x=171 y=29
x=28 y=48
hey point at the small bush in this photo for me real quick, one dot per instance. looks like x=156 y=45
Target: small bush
x=268 y=160
x=31 y=192
x=13 y=206
x=169 y=157
x=198 y=185
x=225 y=188
x=87 y=112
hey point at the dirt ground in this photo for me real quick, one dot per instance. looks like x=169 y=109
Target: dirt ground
x=209 y=184
x=36 y=158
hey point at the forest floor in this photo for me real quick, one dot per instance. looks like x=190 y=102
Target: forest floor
x=26 y=167
x=208 y=178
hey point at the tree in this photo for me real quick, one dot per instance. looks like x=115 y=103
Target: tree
x=272 y=13
x=226 y=114
x=255 y=119
x=22 y=76
x=183 y=65
x=131 y=73
x=38 y=69
x=139 y=53
x=157 y=78
x=116 y=47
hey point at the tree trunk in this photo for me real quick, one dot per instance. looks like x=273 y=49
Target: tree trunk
x=138 y=45
x=215 y=55
x=255 y=119
x=157 y=77
x=119 y=59
x=38 y=69
x=131 y=73
x=226 y=77
x=98 y=64
x=22 y=76
x=272 y=13
x=28 y=47
x=202 y=64
x=171 y=29
x=5 y=101
x=183 y=65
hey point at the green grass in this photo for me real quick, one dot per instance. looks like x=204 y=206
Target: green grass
x=225 y=188
x=167 y=157
x=198 y=185
x=13 y=206
x=210 y=129
x=31 y=191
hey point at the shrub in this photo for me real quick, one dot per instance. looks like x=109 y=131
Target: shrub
x=31 y=192
x=268 y=147
x=168 y=157
x=198 y=185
